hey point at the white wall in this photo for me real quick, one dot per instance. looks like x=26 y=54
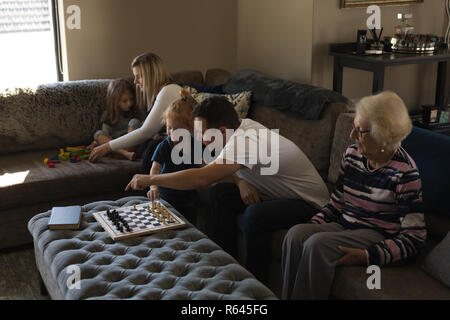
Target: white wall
x=188 y=35
x=275 y=37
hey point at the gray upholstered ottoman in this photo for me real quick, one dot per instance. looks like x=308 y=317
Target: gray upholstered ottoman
x=173 y=264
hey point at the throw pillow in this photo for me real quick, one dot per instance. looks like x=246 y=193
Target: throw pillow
x=240 y=101
x=437 y=263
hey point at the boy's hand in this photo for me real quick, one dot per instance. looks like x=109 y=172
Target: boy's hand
x=153 y=193
x=139 y=182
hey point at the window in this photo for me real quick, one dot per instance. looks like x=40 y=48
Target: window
x=28 y=55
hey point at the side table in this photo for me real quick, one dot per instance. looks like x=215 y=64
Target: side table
x=345 y=56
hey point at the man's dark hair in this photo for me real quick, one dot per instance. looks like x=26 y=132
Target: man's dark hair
x=218 y=112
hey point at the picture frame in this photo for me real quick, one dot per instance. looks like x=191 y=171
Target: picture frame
x=365 y=3
x=433 y=115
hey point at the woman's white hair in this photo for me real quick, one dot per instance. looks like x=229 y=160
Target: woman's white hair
x=388 y=118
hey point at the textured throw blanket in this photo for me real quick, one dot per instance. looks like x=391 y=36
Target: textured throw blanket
x=305 y=101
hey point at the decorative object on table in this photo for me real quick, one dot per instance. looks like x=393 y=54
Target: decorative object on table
x=361 y=41
x=435 y=115
x=377 y=46
x=444 y=116
x=414 y=43
x=365 y=3
x=405 y=40
x=65 y=218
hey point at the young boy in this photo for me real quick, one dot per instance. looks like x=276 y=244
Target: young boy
x=178 y=116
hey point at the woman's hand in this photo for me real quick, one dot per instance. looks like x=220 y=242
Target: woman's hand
x=99 y=152
x=249 y=194
x=352 y=256
x=153 y=193
x=139 y=182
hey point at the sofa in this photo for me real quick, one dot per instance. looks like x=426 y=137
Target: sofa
x=323 y=135
x=412 y=281
x=36 y=124
x=324 y=141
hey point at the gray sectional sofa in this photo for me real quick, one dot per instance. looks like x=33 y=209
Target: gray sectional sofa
x=31 y=129
x=34 y=125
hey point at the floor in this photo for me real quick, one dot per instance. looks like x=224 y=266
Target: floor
x=19 y=277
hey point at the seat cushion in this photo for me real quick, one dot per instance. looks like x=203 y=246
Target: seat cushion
x=406 y=282
x=173 y=264
x=431 y=152
x=56 y=114
x=25 y=180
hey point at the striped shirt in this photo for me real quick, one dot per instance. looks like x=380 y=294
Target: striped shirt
x=388 y=200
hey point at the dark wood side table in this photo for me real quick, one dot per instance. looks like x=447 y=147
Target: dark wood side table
x=345 y=56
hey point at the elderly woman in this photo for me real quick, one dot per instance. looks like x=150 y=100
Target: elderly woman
x=374 y=216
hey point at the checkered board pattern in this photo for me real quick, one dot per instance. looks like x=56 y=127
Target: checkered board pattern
x=140 y=220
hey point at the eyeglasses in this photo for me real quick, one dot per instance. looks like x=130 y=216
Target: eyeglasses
x=360 y=132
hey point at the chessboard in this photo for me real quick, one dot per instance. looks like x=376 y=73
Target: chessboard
x=138 y=220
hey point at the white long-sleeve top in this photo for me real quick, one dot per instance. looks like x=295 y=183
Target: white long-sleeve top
x=153 y=122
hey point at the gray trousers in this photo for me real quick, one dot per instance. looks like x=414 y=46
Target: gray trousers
x=310 y=253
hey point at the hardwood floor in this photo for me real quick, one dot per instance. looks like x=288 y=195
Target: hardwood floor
x=19 y=277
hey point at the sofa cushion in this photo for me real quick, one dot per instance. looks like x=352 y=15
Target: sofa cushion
x=188 y=77
x=313 y=137
x=240 y=101
x=25 y=180
x=431 y=152
x=437 y=263
x=341 y=141
x=55 y=115
x=408 y=282
x=216 y=76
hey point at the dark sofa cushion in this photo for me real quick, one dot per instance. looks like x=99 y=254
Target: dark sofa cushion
x=431 y=152
x=305 y=101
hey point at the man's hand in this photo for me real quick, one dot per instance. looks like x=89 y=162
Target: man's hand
x=249 y=194
x=352 y=257
x=99 y=152
x=139 y=182
x=153 y=193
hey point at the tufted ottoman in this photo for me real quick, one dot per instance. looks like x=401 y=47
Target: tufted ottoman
x=173 y=264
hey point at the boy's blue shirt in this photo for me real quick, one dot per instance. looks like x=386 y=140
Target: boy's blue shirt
x=162 y=155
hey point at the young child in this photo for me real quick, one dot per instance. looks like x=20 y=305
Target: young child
x=177 y=116
x=120 y=117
